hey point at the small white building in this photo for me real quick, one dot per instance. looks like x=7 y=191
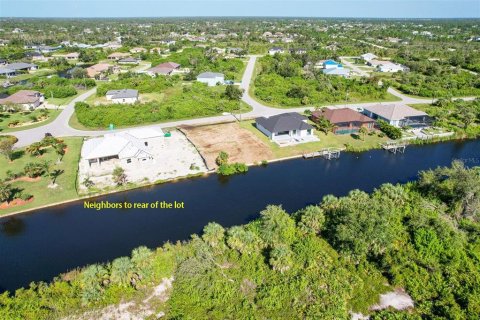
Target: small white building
x=211 y=78
x=123 y=96
x=276 y=50
x=126 y=148
x=368 y=56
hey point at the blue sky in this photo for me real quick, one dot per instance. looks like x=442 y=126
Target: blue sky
x=299 y=8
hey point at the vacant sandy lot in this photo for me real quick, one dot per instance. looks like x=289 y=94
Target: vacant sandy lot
x=240 y=144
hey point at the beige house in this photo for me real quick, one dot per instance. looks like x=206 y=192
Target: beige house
x=26 y=99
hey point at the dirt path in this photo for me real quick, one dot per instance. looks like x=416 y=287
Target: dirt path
x=241 y=145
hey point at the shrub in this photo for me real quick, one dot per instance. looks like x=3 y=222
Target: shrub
x=391 y=131
x=33 y=170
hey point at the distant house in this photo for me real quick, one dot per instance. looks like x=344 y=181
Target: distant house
x=11 y=69
x=386 y=66
x=72 y=56
x=167 y=68
x=126 y=148
x=118 y=55
x=331 y=64
x=211 y=78
x=138 y=50
x=25 y=99
x=123 y=96
x=368 y=56
x=298 y=51
x=3 y=62
x=98 y=69
x=345 y=120
x=285 y=127
x=398 y=115
x=337 y=72
x=275 y=50
x=128 y=60
x=47 y=49
x=168 y=42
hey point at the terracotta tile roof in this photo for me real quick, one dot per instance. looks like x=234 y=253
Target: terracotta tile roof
x=341 y=115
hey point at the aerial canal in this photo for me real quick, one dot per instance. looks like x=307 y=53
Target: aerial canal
x=41 y=244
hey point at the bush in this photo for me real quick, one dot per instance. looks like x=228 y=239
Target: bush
x=231 y=169
x=392 y=132
x=33 y=170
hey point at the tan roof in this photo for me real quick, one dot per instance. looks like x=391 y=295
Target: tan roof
x=22 y=97
x=72 y=55
x=394 y=111
x=341 y=115
x=97 y=68
x=118 y=55
x=164 y=68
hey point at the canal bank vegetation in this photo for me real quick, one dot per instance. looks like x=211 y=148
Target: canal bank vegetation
x=321 y=262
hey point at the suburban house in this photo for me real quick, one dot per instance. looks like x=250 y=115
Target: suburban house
x=368 y=57
x=47 y=49
x=98 y=69
x=386 y=66
x=123 y=96
x=8 y=73
x=298 y=51
x=165 y=69
x=26 y=99
x=21 y=66
x=337 y=72
x=345 y=120
x=331 y=64
x=128 y=60
x=127 y=148
x=138 y=50
x=118 y=55
x=286 y=127
x=275 y=50
x=72 y=56
x=211 y=78
x=398 y=115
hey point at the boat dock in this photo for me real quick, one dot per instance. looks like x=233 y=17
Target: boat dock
x=328 y=153
x=395 y=146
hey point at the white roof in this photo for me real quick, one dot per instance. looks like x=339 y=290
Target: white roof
x=210 y=75
x=125 y=144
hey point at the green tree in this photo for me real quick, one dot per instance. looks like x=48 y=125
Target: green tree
x=119 y=176
x=6 y=191
x=6 y=148
x=121 y=271
x=232 y=92
x=213 y=234
x=276 y=226
x=281 y=258
x=222 y=158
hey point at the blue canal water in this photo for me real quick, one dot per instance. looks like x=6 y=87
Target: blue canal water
x=41 y=244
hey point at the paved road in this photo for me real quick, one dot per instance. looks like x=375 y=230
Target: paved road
x=60 y=127
x=355 y=68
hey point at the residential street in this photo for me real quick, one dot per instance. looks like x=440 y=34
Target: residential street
x=353 y=67
x=61 y=128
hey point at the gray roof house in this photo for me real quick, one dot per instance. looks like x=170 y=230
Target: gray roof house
x=122 y=96
x=211 y=78
x=21 y=66
x=286 y=128
x=398 y=115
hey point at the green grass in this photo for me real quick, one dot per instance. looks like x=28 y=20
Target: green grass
x=176 y=92
x=326 y=141
x=37 y=73
x=43 y=195
x=6 y=118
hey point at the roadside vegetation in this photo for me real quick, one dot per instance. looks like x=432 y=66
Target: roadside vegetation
x=21 y=120
x=190 y=101
x=322 y=262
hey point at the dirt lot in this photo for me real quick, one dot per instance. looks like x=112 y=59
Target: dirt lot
x=241 y=145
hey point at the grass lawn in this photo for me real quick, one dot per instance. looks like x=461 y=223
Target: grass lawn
x=63 y=101
x=43 y=195
x=326 y=141
x=6 y=118
x=37 y=73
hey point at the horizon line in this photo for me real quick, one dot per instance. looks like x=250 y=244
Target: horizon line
x=265 y=17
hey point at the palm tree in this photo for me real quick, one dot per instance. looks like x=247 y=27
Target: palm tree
x=54 y=175
x=121 y=271
x=35 y=149
x=213 y=234
x=363 y=131
x=281 y=258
